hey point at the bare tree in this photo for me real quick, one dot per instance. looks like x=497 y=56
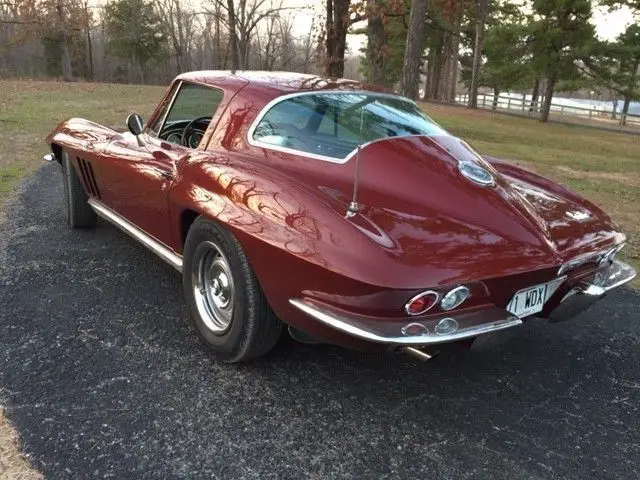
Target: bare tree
x=413 y=50
x=179 y=24
x=481 y=16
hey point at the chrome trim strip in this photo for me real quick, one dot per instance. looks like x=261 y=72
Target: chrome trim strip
x=147 y=240
x=342 y=323
x=275 y=101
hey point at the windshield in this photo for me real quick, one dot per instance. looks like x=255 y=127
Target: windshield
x=333 y=124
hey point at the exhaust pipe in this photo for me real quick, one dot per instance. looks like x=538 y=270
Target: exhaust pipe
x=417 y=353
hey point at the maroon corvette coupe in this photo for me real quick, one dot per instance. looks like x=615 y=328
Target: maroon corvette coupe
x=337 y=209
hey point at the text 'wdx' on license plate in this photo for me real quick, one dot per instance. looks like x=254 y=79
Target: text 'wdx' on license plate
x=530 y=300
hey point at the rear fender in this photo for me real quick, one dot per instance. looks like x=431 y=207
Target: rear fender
x=283 y=228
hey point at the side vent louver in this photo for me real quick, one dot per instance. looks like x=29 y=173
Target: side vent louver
x=88 y=177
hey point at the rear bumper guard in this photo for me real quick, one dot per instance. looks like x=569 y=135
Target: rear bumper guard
x=582 y=296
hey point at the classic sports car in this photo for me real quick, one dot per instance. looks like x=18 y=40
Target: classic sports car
x=338 y=209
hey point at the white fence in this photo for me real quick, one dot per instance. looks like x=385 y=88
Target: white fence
x=523 y=105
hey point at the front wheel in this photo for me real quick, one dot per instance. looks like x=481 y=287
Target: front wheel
x=224 y=298
x=79 y=213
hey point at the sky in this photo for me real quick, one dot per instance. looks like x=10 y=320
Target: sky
x=608 y=25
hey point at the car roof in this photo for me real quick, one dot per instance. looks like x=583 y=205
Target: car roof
x=283 y=82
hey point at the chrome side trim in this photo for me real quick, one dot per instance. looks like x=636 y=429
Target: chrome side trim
x=129 y=228
x=315 y=156
x=344 y=324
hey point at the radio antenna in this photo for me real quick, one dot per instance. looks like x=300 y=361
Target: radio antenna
x=353 y=206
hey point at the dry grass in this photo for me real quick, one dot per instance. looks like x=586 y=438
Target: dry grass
x=13 y=466
x=29 y=110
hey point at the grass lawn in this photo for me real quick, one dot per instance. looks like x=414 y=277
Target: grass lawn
x=30 y=110
x=602 y=166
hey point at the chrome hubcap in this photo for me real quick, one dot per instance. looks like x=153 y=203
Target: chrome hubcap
x=213 y=287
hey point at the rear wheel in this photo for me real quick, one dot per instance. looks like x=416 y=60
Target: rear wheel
x=79 y=213
x=224 y=298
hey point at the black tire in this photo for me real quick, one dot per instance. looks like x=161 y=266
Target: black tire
x=79 y=213
x=242 y=326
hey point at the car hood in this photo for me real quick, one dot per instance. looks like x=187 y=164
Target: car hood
x=417 y=206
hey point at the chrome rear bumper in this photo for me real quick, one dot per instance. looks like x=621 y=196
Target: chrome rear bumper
x=467 y=324
x=390 y=331
x=582 y=296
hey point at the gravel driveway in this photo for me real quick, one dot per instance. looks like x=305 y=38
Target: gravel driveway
x=102 y=377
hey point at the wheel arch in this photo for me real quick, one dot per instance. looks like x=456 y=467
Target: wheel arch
x=57 y=152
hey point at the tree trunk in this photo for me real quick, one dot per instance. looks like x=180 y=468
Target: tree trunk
x=439 y=67
x=534 y=95
x=376 y=43
x=429 y=74
x=233 y=37
x=453 y=66
x=481 y=14
x=337 y=23
x=496 y=98
x=89 y=45
x=217 y=43
x=548 y=96
x=413 y=50
x=631 y=86
x=614 y=109
x=65 y=59
x=625 y=110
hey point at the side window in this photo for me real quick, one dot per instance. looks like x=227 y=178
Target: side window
x=283 y=124
x=331 y=125
x=194 y=101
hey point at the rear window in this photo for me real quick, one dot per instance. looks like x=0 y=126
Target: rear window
x=333 y=124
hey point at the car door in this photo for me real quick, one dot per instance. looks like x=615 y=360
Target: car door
x=137 y=171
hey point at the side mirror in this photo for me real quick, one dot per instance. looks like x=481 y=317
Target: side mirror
x=135 y=126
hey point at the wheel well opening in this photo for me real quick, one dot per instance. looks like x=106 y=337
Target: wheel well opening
x=57 y=151
x=188 y=217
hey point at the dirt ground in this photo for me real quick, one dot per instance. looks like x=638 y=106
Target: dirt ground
x=13 y=466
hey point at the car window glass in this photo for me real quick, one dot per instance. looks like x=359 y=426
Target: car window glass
x=194 y=101
x=154 y=126
x=333 y=124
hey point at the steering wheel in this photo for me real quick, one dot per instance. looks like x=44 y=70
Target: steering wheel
x=189 y=127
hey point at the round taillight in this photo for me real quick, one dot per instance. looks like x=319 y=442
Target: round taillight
x=454 y=297
x=421 y=303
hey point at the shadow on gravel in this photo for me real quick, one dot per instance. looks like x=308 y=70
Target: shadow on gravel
x=103 y=378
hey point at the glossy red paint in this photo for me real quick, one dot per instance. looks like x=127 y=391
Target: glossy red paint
x=422 y=225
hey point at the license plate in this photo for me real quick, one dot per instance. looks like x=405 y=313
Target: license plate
x=531 y=300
